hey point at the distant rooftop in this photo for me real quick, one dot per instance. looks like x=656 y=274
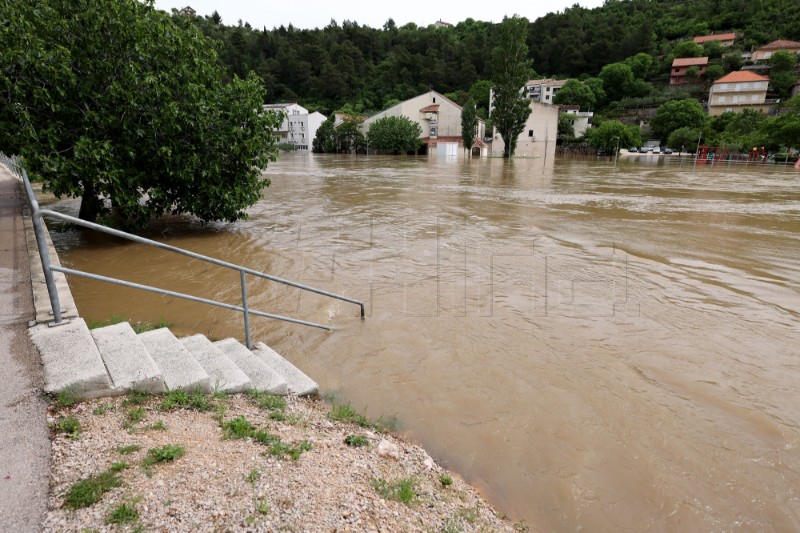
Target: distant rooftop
x=781 y=45
x=719 y=37
x=741 y=76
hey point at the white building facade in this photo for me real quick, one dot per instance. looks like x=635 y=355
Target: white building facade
x=299 y=126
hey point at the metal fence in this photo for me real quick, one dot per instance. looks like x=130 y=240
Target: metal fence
x=14 y=164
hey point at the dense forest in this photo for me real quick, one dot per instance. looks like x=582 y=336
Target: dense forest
x=369 y=68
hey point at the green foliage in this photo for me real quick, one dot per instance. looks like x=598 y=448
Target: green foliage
x=685 y=138
x=782 y=82
x=136 y=415
x=356 y=441
x=469 y=124
x=325 y=139
x=693 y=74
x=118 y=466
x=117 y=100
x=784 y=129
x=566 y=126
x=136 y=398
x=124 y=513
x=403 y=491
x=732 y=61
x=782 y=61
x=102 y=409
x=712 y=49
x=253 y=476
x=714 y=72
x=611 y=134
x=280 y=449
x=511 y=70
x=67 y=398
x=163 y=454
x=394 y=135
x=180 y=399
x=596 y=85
x=127 y=450
x=238 y=428
x=89 y=491
x=676 y=114
x=445 y=480
x=618 y=81
x=69 y=425
x=686 y=49
x=640 y=64
x=575 y=92
x=479 y=92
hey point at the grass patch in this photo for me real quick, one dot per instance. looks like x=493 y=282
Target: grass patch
x=179 y=399
x=136 y=398
x=124 y=513
x=119 y=466
x=279 y=449
x=127 y=450
x=262 y=507
x=403 y=491
x=164 y=454
x=344 y=412
x=89 y=491
x=114 y=319
x=238 y=428
x=158 y=425
x=136 y=415
x=67 y=398
x=102 y=409
x=253 y=476
x=445 y=480
x=356 y=441
x=69 y=425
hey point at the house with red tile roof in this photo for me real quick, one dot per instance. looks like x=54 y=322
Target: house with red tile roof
x=738 y=91
x=680 y=65
x=725 y=39
x=766 y=51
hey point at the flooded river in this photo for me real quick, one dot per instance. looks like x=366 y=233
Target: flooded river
x=595 y=347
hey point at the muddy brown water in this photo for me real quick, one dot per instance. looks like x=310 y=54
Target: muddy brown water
x=595 y=347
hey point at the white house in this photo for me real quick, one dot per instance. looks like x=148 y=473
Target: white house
x=299 y=126
x=438 y=117
x=538 y=139
x=543 y=90
x=581 y=120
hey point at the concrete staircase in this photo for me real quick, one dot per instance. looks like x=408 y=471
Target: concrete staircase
x=115 y=360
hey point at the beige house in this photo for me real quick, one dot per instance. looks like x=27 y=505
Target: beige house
x=766 y=51
x=438 y=117
x=737 y=91
x=543 y=90
x=681 y=65
x=725 y=39
x=538 y=139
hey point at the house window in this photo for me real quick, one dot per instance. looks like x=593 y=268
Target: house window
x=434 y=99
x=530 y=133
x=433 y=132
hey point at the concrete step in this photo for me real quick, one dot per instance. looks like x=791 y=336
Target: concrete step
x=127 y=359
x=71 y=360
x=263 y=378
x=224 y=375
x=179 y=367
x=297 y=381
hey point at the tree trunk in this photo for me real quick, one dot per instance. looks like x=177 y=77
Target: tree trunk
x=91 y=205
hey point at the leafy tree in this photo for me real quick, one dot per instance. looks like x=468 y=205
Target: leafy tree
x=618 y=80
x=479 y=92
x=118 y=100
x=511 y=68
x=783 y=61
x=566 y=127
x=784 y=129
x=714 y=72
x=396 y=135
x=325 y=139
x=469 y=124
x=676 y=114
x=693 y=74
x=686 y=49
x=613 y=133
x=684 y=138
x=596 y=85
x=731 y=62
x=348 y=134
x=574 y=92
x=712 y=49
x=640 y=64
x=782 y=82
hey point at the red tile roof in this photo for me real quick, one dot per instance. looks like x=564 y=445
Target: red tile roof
x=718 y=37
x=689 y=61
x=430 y=108
x=741 y=76
x=780 y=45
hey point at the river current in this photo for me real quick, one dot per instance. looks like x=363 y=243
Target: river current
x=595 y=346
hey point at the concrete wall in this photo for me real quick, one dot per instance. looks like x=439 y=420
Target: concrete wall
x=538 y=139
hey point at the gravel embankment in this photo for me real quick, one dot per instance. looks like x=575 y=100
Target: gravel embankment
x=251 y=483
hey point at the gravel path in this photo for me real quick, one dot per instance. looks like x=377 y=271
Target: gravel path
x=250 y=483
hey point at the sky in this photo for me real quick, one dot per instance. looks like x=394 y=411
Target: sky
x=318 y=13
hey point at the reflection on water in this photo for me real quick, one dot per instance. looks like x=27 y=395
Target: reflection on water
x=594 y=347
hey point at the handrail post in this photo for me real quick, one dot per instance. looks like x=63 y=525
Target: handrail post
x=246 y=311
x=44 y=253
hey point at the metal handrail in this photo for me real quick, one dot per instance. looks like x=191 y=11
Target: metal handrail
x=14 y=164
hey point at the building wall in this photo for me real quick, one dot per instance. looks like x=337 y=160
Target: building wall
x=298 y=127
x=760 y=55
x=737 y=96
x=538 y=139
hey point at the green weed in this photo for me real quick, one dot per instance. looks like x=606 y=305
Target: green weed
x=238 y=428
x=136 y=415
x=166 y=453
x=403 y=490
x=344 y=412
x=69 y=425
x=102 y=409
x=124 y=513
x=67 y=398
x=136 y=398
x=179 y=399
x=118 y=466
x=253 y=476
x=158 y=425
x=89 y=491
x=445 y=480
x=279 y=449
x=127 y=450
x=356 y=440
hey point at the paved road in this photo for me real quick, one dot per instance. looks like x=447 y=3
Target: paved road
x=24 y=440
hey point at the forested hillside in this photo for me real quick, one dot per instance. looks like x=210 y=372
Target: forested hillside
x=369 y=68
